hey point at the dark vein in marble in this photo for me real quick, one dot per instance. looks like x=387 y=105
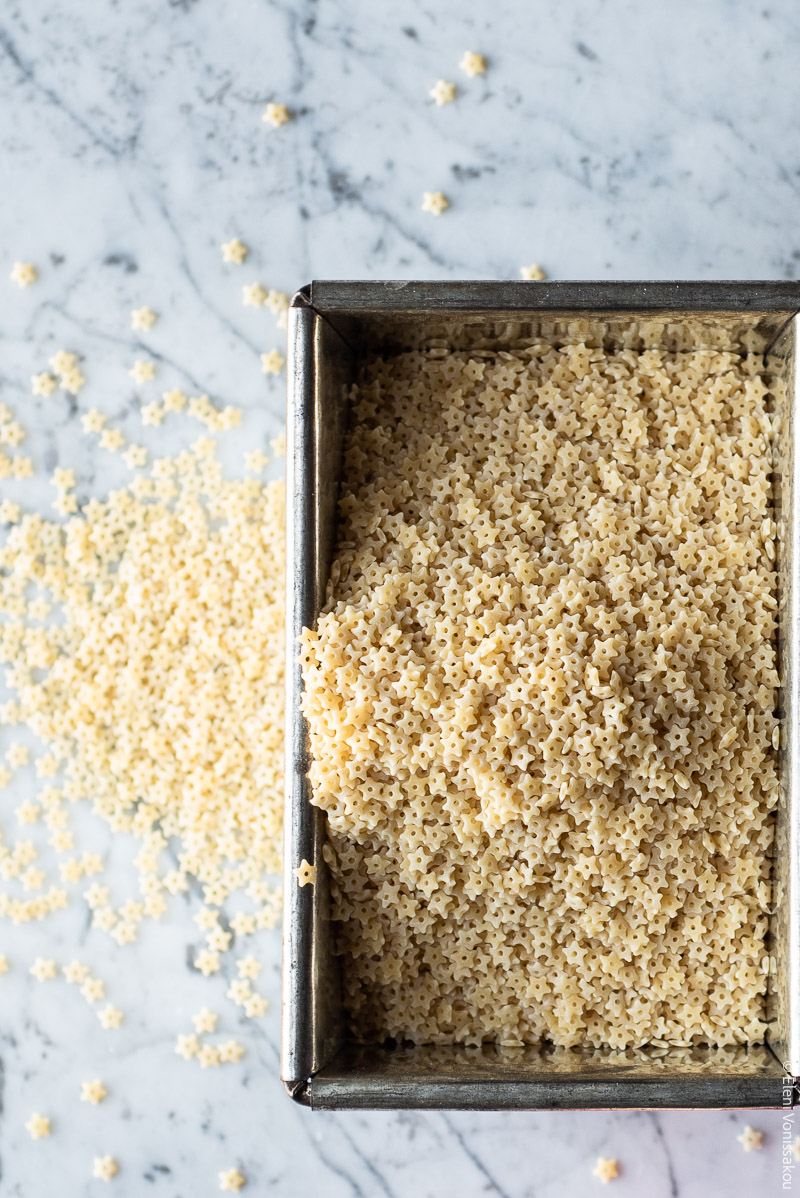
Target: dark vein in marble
x=673 y=1181
x=477 y=1162
x=340 y=1128
x=8 y=47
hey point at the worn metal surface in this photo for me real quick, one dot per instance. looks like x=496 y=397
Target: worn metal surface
x=331 y=324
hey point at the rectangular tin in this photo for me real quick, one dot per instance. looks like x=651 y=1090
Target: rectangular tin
x=331 y=326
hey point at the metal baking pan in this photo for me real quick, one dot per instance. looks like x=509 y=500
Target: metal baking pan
x=331 y=326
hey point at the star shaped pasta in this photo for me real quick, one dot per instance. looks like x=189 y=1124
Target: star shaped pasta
x=104 y=1168
x=174 y=400
x=243 y=924
x=93 y=1092
x=273 y=362
x=305 y=873
x=72 y=380
x=62 y=361
x=205 y=1020
x=208 y=1056
x=435 y=202
x=135 y=456
x=248 y=967
x=232 y=1180
x=239 y=991
x=93 y=989
x=110 y=1018
x=152 y=413
x=532 y=272
x=43 y=384
x=93 y=421
x=276 y=115
x=255 y=1006
x=750 y=1138
x=76 y=972
x=9 y=512
x=143 y=318
x=255 y=461
x=207 y=962
x=142 y=371
x=44 y=969
x=605 y=1169
x=38 y=1126
x=23 y=274
x=234 y=251
x=254 y=295
x=231 y=1051
x=187 y=1046
x=472 y=64
x=3 y=963
x=111 y=439
x=442 y=92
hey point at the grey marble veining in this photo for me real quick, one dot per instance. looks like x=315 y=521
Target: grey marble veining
x=606 y=140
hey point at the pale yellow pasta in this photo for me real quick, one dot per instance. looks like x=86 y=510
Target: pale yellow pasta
x=540 y=698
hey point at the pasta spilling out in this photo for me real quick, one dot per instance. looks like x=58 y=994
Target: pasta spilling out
x=541 y=698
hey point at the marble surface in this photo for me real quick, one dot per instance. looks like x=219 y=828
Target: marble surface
x=606 y=140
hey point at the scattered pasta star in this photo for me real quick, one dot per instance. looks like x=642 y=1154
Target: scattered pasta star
x=207 y=962
x=205 y=1020
x=174 y=400
x=93 y=1092
x=111 y=439
x=243 y=924
x=143 y=318
x=72 y=380
x=255 y=460
x=750 y=1138
x=248 y=967
x=43 y=384
x=76 y=972
x=104 y=1168
x=254 y=295
x=187 y=1046
x=135 y=456
x=231 y=1051
x=38 y=1126
x=605 y=1169
x=63 y=479
x=93 y=989
x=276 y=115
x=532 y=272
x=240 y=990
x=232 y=1180
x=110 y=1017
x=273 y=362
x=442 y=93
x=152 y=413
x=9 y=512
x=93 y=421
x=276 y=301
x=472 y=64
x=63 y=361
x=255 y=1006
x=208 y=1056
x=234 y=251
x=23 y=274
x=306 y=873
x=44 y=969
x=3 y=963
x=142 y=371
x=435 y=202
x=278 y=445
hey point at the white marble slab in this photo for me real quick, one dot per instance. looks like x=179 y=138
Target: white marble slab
x=606 y=140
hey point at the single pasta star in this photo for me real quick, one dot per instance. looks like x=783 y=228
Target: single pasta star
x=248 y=967
x=231 y=1051
x=472 y=64
x=23 y=274
x=254 y=295
x=435 y=202
x=143 y=318
x=38 y=1126
x=76 y=972
x=152 y=413
x=93 y=421
x=110 y=1018
x=205 y=1020
x=273 y=362
x=174 y=400
x=207 y=962
x=93 y=1092
x=72 y=380
x=142 y=371
x=44 y=969
x=239 y=991
x=605 y=1169
x=63 y=361
x=4 y=967
x=442 y=93
x=255 y=1006
x=234 y=251
x=135 y=456
x=43 y=384
x=255 y=461
x=93 y=989
x=187 y=1046
x=305 y=873
x=276 y=115
x=532 y=272
x=750 y=1139
x=208 y=1056
x=111 y=439
x=104 y=1168
x=243 y=924
x=232 y=1180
